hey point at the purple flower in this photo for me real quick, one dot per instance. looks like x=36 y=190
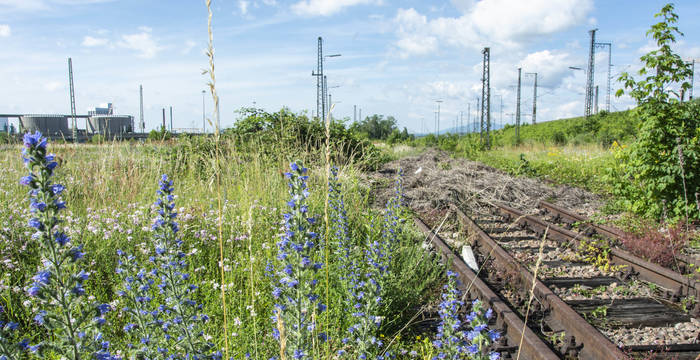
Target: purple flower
x=34 y=140
x=61 y=238
x=26 y=180
x=35 y=223
x=42 y=277
x=39 y=317
x=104 y=308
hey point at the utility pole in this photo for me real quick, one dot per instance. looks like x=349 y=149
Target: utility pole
x=501 y=116
x=163 y=119
x=320 y=98
x=534 y=99
x=324 y=90
x=469 y=111
x=590 y=75
x=171 y=119
x=595 y=102
x=438 y=101
x=360 y=114
x=142 y=124
x=486 y=95
x=607 y=95
x=474 y=123
x=692 y=80
x=72 y=102
x=354 y=113
x=517 y=109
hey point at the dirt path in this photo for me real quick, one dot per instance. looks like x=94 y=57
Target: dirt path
x=434 y=179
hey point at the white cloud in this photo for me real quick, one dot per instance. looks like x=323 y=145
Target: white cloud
x=142 y=42
x=5 y=30
x=551 y=67
x=327 y=7
x=243 y=6
x=42 y=5
x=53 y=85
x=90 y=41
x=413 y=35
x=507 y=23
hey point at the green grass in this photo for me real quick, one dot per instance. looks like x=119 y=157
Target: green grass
x=110 y=189
x=583 y=166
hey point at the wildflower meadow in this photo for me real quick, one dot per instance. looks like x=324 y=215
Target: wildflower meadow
x=108 y=252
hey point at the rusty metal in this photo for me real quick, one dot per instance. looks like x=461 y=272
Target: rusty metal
x=591 y=228
x=586 y=341
x=666 y=278
x=532 y=346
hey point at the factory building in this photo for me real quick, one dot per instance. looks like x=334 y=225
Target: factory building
x=47 y=124
x=111 y=125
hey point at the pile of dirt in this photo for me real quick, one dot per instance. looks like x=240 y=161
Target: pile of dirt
x=433 y=180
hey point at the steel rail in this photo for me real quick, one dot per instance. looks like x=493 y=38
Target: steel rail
x=677 y=284
x=584 y=340
x=532 y=346
x=607 y=231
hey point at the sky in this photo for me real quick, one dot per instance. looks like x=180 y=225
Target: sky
x=397 y=57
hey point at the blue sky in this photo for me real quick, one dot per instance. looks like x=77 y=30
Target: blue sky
x=398 y=57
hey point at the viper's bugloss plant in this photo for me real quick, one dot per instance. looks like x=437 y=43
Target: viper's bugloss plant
x=340 y=233
x=365 y=287
x=172 y=329
x=393 y=213
x=453 y=341
x=10 y=349
x=58 y=287
x=297 y=304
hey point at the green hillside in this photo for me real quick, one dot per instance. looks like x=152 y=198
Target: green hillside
x=603 y=128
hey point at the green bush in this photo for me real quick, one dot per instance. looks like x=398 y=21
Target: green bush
x=658 y=173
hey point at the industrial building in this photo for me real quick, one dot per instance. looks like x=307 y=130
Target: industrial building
x=100 y=121
x=47 y=124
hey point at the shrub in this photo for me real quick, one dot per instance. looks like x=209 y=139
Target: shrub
x=655 y=169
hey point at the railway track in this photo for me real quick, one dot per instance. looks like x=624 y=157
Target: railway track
x=577 y=309
x=688 y=265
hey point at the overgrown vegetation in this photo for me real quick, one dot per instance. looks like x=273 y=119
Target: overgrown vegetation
x=657 y=176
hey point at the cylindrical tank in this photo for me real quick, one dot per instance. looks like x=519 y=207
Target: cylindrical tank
x=111 y=125
x=53 y=125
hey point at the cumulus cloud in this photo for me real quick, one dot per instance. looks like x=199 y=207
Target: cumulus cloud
x=5 y=30
x=327 y=7
x=142 y=42
x=90 y=41
x=507 y=23
x=551 y=67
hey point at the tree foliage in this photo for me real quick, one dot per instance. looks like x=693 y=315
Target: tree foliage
x=658 y=173
x=376 y=127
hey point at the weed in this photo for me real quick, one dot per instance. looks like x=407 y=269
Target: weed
x=657 y=246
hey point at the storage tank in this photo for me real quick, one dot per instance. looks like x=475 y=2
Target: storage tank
x=50 y=125
x=111 y=125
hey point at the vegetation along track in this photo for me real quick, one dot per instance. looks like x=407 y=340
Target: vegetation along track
x=688 y=264
x=516 y=337
x=581 y=309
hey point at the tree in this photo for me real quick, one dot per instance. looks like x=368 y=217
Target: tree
x=375 y=126
x=659 y=171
